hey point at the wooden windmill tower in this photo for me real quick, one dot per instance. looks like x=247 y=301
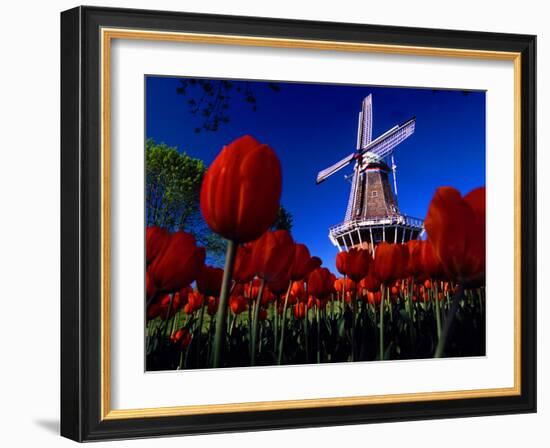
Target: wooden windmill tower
x=372 y=214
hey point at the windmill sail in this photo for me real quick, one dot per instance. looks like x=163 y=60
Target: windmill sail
x=383 y=146
x=365 y=123
x=322 y=175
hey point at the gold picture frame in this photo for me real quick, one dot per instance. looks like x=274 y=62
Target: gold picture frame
x=120 y=27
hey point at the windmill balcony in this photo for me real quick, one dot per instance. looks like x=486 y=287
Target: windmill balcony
x=369 y=232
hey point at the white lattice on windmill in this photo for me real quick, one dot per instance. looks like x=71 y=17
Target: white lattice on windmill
x=372 y=214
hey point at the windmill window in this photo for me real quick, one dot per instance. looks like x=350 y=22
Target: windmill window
x=374 y=194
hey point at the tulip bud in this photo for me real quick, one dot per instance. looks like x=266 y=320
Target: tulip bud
x=273 y=255
x=456 y=229
x=357 y=263
x=156 y=240
x=390 y=262
x=209 y=281
x=178 y=265
x=240 y=192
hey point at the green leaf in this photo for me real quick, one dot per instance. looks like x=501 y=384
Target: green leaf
x=404 y=315
x=341 y=327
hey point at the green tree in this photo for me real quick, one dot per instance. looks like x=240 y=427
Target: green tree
x=172 y=190
x=284 y=220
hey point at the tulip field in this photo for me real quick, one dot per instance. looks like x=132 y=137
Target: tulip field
x=275 y=303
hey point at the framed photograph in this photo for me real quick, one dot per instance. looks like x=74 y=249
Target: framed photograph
x=275 y=224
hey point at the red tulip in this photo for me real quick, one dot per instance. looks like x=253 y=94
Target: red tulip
x=273 y=255
x=357 y=263
x=344 y=283
x=168 y=310
x=371 y=282
x=150 y=290
x=267 y=296
x=209 y=281
x=374 y=298
x=237 y=304
x=280 y=286
x=320 y=283
x=238 y=290
x=195 y=301
x=302 y=264
x=342 y=262
x=313 y=301
x=456 y=229
x=280 y=308
x=183 y=293
x=156 y=240
x=298 y=291
x=314 y=263
x=243 y=271
x=240 y=192
x=182 y=337
x=262 y=314
x=300 y=310
x=332 y=289
x=415 y=266
x=391 y=262
x=178 y=265
x=212 y=305
x=254 y=291
x=153 y=311
x=424 y=294
x=431 y=266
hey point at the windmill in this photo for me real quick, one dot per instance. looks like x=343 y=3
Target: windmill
x=372 y=214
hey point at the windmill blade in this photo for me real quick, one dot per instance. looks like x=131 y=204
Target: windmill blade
x=364 y=125
x=334 y=168
x=366 y=122
x=384 y=145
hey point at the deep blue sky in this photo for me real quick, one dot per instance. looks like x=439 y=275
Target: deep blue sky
x=311 y=126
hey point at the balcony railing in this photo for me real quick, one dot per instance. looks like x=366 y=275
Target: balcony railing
x=402 y=220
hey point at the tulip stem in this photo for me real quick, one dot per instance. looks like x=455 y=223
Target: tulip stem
x=306 y=319
x=250 y=306
x=437 y=310
x=381 y=334
x=255 y=323
x=275 y=323
x=344 y=294
x=318 y=335
x=199 y=335
x=409 y=305
x=167 y=316
x=479 y=296
x=353 y=322
x=150 y=300
x=233 y=318
x=174 y=320
x=306 y=322
x=282 y=341
x=448 y=322
x=221 y=316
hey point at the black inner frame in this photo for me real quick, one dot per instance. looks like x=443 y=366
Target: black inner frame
x=81 y=224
